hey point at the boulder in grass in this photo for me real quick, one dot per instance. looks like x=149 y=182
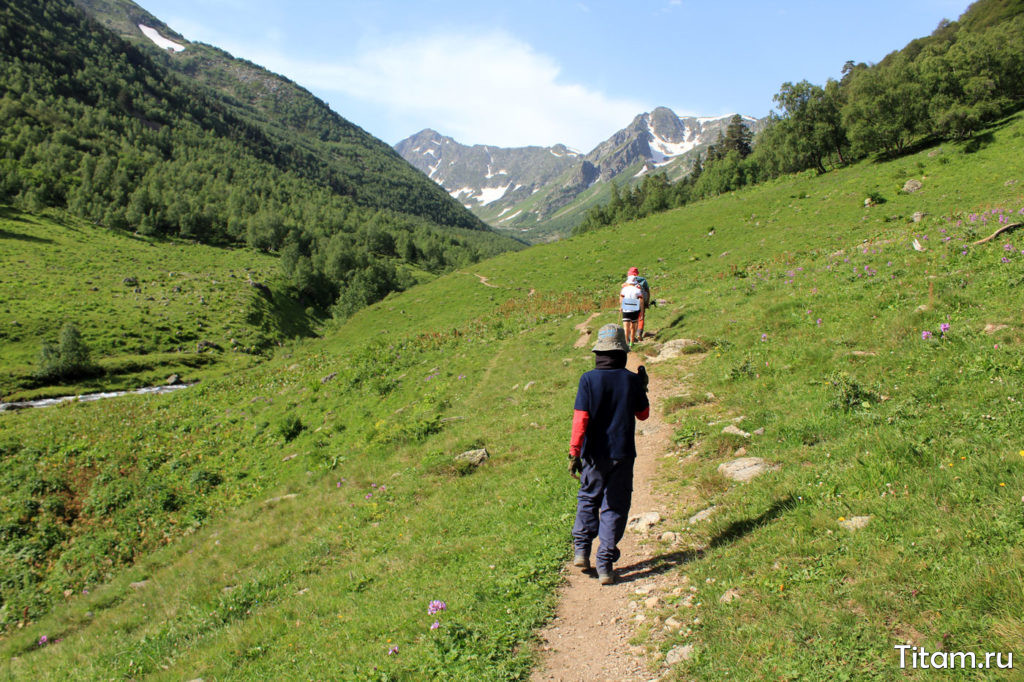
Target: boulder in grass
x=643 y=522
x=472 y=458
x=855 y=522
x=912 y=185
x=745 y=468
x=678 y=654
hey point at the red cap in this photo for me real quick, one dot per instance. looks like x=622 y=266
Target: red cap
x=633 y=271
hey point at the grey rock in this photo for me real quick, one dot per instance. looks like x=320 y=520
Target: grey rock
x=473 y=457
x=918 y=216
x=279 y=498
x=702 y=515
x=138 y=585
x=993 y=328
x=130 y=281
x=745 y=468
x=678 y=654
x=912 y=185
x=855 y=522
x=643 y=522
x=173 y=380
x=734 y=430
x=675 y=348
x=758 y=431
x=329 y=377
x=729 y=595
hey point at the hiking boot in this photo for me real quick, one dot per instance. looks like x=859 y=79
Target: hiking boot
x=606 y=578
x=581 y=561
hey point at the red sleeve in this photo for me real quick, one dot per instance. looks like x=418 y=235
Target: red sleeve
x=580 y=418
x=643 y=414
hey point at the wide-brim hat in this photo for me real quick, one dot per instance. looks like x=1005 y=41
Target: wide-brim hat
x=611 y=337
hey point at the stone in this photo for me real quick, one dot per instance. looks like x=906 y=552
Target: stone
x=730 y=595
x=643 y=589
x=279 y=498
x=855 y=522
x=672 y=623
x=130 y=281
x=863 y=353
x=173 y=380
x=912 y=185
x=528 y=385
x=678 y=654
x=1009 y=183
x=138 y=585
x=735 y=431
x=702 y=515
x=652 y=602
x=993 y=328
x=643 y=522
x=473 y=457
x=674 y=348
x=918 y=216
x=742 y=452
x=668 y=536
x=758 y=431
x=745 y=468
x=329 y=377
x=935 y=152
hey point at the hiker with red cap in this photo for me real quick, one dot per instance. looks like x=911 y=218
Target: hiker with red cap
x=609 y=400
x=632 y=304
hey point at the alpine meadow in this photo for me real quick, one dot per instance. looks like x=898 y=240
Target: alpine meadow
x=360 y=473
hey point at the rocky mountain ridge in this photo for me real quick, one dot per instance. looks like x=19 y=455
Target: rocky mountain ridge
x=540 y=191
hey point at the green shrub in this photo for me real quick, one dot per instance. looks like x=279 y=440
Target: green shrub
x=69 y=359
x=290 y=427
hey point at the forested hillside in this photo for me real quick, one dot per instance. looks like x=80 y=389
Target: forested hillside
x=100 y=127
x=945 y=86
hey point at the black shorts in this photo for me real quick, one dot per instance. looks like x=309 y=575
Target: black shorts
x=630 y=317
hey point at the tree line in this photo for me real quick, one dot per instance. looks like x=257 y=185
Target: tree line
x=965 y=75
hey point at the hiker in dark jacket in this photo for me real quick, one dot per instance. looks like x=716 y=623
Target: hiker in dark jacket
x=609 y=400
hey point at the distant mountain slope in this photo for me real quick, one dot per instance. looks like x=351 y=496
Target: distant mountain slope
x=336 y=150
x=540 y=192
x=118 y=132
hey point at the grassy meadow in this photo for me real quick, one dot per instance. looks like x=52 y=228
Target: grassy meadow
x=146 y=307
x=300 y=516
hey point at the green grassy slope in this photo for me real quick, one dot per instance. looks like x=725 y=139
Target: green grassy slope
x=920 y=434
x=145 y=306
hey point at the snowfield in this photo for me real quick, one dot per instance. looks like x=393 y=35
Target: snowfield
x=160 y=41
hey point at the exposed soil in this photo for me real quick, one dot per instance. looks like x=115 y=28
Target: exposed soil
x=589 y=637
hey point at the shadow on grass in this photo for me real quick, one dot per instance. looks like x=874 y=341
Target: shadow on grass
x=4 y=234
x=731 y=533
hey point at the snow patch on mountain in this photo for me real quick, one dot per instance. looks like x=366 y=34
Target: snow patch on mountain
x=161 y=42
x=511 y=216
x=489 y=195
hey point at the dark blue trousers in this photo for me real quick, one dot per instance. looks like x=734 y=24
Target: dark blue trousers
x=602 y=509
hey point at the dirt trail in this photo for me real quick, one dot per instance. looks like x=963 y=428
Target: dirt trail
x=483 y=280
x=589 y=637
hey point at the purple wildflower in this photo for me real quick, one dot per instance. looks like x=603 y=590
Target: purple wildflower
x=764 y=337
x=435 y=625
x=944 y=327
x=369 y=495
x=1007 y=247
x=819 y=321
x=435 y=606
x=925 y=335
x=393 y=650
x=1005 y=259
x=44 y=640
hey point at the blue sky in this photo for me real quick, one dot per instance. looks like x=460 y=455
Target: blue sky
x=543 y=72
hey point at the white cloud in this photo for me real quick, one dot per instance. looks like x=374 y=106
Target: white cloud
x=485 y=88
